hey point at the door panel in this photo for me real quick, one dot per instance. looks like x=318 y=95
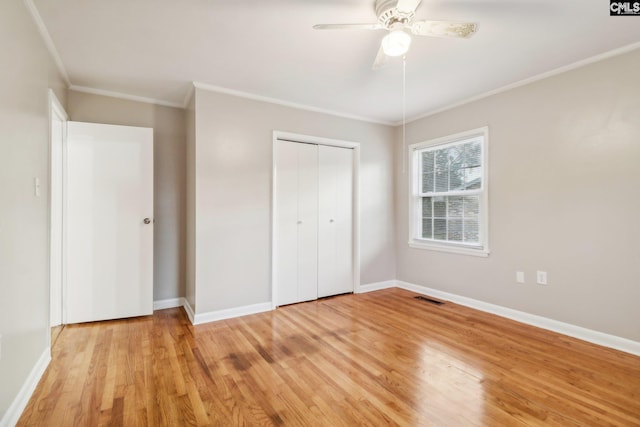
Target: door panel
x=286 y=218
x=109 y=248
x=296 y=218
x=307 y=222
x=335 y=244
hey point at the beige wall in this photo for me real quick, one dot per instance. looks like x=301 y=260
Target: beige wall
x=564 y=198
x=233 y=195
x=169 y=177
x=26 y=73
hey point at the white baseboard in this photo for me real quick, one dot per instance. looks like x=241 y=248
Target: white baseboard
x=169 y=303
x=589 y=335
x=14 y=412
x=190 y=313
x=229 y=313
x=176 y=302
x=595 y=337
x=370 y=287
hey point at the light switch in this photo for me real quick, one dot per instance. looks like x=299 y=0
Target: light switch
x=542 y=277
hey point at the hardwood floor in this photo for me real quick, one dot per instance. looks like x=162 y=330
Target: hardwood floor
x=382 y=358
x=55 y=333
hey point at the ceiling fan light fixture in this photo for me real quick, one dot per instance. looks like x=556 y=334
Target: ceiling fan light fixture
x=396 y=43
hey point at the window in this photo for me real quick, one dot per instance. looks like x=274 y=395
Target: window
x=448 y=205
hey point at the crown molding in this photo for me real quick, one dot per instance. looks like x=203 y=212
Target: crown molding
x=121 y=95
x=252 y=96
x=573 y=66
x=187 y=97
x=46 y=37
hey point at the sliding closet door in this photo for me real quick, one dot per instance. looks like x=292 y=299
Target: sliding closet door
x=335 y=227
x=296 y=220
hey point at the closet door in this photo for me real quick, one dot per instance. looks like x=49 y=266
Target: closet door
x=335 y=228
x=296 y=220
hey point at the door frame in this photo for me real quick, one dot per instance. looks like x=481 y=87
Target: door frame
x=307 y=139
x=56 y=210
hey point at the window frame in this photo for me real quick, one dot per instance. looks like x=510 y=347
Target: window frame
x=415 y=194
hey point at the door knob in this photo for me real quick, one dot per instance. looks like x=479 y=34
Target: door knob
x=146 y=221
x=299 y=222
x=331 y=220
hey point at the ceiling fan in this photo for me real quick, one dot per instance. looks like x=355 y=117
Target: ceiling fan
x=396 y=17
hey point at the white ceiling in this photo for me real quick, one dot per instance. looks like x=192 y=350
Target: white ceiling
x=156 y=48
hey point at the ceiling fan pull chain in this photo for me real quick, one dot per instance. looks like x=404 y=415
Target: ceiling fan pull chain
x=404 y=112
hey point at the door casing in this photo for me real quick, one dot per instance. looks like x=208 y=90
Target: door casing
x=57 y=133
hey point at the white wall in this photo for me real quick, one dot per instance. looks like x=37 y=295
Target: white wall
x=233 y=195
x=564 y=197
x=169 y=163
x=26 y=73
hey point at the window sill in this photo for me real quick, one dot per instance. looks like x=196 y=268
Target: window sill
x=449 y=248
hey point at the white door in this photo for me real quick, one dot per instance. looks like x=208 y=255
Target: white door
x=335 y=222
x=108 y=222
x=296 y=222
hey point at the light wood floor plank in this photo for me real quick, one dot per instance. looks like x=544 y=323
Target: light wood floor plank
x=382 y=358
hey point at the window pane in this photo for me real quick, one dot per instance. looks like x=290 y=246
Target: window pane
x=471 y=231
x=455 y=230
x=456 y=154
x=427 y=231
x=456 y=178
x=472 y=154
x=442 y=171
x=473 y=178
x=427 y=171
x=440 y=229
x=456 y=168
x=473 y=166
x=427 y=160
x=427 y=208
x=455 y=207
x=440 y=207
x=471 y=206
x=427 y=181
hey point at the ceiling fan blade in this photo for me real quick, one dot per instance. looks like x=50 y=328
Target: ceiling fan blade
x=408 y=6
x=375 y=26
x=381 y=60
x=444 y=29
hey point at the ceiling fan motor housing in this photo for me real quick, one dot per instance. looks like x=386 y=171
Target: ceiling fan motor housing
x=388 y=14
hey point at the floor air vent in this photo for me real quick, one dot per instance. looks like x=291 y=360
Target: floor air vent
x=429 y=300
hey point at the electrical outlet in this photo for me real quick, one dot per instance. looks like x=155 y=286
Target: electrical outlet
x=541 y=277
x=519 y=276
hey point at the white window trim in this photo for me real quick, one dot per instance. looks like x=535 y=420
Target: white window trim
x=414 y=189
